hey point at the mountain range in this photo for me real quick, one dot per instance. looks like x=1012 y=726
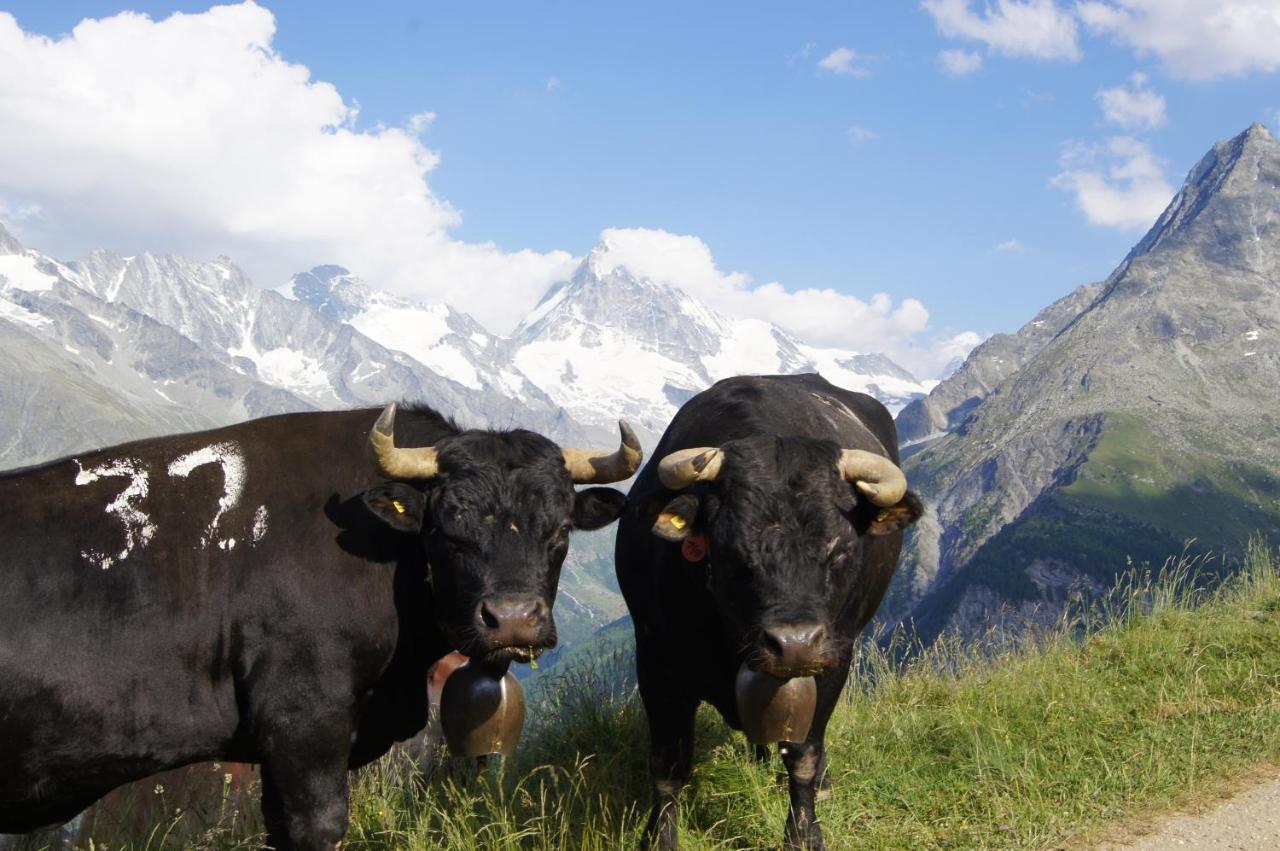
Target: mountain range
x=1130 y=419
x=110 y=348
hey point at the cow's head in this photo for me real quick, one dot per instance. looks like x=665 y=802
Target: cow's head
x=782 y=525
x=493 y=510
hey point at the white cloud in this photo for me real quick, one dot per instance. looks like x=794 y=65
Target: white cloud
x=553 y=83
x=859 y=134
x=193 y=135
x=821 y=316
x=1038 y=29
x=1133 y=107
x=420 y=122
x=959 y=63
x=1011 y=246
x=1194 y=39
x=1119 y=183
x=842 y=61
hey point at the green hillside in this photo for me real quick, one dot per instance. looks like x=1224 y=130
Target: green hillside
x=1165 y=692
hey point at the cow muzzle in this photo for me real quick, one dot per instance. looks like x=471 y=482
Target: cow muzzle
x=515 y=627
x=792 y=650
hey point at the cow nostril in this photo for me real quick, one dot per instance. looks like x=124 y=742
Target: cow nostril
x=815 y=637
x=506 y=621
x=773 y=642
x=793 y=646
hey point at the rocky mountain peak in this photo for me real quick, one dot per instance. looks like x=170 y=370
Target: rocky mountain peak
x=332 y=290
x=1129 y=417
x=1225 y=193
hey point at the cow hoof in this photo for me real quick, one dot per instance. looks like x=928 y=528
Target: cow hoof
x=806 y=839
x=661 y=833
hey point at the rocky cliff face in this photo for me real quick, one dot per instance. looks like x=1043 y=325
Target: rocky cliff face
x=1146 y=417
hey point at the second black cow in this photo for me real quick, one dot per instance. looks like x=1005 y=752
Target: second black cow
x=764 y=533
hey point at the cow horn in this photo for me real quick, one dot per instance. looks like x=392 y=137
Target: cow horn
x=593 y=467
x=683 y=467
x=418 y=462
x=876 y=476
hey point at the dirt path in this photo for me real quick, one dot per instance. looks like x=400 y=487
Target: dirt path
x=1247 y=821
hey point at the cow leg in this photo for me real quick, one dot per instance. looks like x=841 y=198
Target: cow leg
x=304 y=798
x=806 y=764
x=670 y=761
x=803 y=760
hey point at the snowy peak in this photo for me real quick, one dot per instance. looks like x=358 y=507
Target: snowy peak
x=609 y=343
x=333 y=291
x=446 y=340
x=603 y=296
x=213 y=303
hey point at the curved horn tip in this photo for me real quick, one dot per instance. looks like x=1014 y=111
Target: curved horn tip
x=884 y=495
x=629 y=438
x=387 y=419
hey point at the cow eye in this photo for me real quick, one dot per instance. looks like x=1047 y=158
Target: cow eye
x=561 y=534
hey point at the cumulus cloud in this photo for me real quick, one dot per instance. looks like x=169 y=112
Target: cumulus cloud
x=959 y=63
x=821 y=316
x=844 y=61
x=1194 y=39
x=1118 y=183
x=192 y=134
x=1135 y=106
x=1036 y=29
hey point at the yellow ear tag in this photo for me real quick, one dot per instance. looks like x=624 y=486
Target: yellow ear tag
x=399 y=506
x=678 y=521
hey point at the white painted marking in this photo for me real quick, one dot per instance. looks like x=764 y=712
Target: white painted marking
x=259 y=524
x=138 y=528
x=228 y=456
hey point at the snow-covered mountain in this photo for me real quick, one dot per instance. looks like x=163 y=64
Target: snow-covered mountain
x=446 y=340
x=608 y=344
x=310 y=352
x=77 y=371
x=604 y=345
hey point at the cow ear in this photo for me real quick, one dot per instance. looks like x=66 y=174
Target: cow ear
x=398 y=505
x=597 y=507
x=895 y=518
x=675 y=520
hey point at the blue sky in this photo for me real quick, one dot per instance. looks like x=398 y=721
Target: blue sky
x=748 y=126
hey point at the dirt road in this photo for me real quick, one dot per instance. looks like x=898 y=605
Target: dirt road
x=1247 y=821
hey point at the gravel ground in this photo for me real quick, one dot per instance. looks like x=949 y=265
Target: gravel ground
x=1248 y=821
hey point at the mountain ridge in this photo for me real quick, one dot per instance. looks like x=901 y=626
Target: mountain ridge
x=1148 y=416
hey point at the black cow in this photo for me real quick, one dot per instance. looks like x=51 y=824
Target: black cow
x=254 y=594
x=765 y=535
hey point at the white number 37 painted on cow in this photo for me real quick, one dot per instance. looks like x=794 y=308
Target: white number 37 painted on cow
x=129 y=504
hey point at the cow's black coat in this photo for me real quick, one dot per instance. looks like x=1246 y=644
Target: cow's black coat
x=789 y=541
x=305 y=649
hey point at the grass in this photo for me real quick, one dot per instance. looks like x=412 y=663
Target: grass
x=1156 y=696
